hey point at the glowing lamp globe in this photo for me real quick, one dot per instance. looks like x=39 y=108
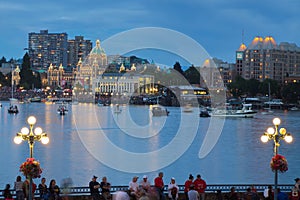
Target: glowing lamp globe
x=25 y=131
x=18 y=139
x=276 y=121
x=45 y=140
x=264 y=138
x=31 y=120
x=288 y=138
x=38 y=131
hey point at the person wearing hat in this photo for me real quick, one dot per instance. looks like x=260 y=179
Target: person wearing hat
x=94 y=188
x=145 y=184
x=134 y=188
x=173 y=190
x=200 y=186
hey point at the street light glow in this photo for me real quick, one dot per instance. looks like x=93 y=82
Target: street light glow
x=31 y=136
x=45 y=140
x=25 y=131
x=18 y=139
x=282 y=131
x=38 y=130
x=276 y=121
x=288 y=138
x=276 y=135
x=264 y=138
x=270 y=130
x=31 y=120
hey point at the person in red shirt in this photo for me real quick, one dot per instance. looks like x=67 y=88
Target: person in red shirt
x=187 y=185
x=200 y=186
x=159 y=185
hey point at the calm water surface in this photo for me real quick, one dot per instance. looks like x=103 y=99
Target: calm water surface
x=81 y=141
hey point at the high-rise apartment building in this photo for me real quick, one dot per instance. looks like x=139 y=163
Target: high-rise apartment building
x=264 y=59
x=78 y=48
x=45 y=48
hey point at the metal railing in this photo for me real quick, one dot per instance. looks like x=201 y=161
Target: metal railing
x=85 y=191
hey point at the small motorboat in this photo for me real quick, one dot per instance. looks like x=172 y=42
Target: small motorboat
x=160 y=111
x=188 y=108
x=13 y=110
x=204 y=113
x=62 y=110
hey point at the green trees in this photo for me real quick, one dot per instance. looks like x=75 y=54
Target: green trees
x=28 y=79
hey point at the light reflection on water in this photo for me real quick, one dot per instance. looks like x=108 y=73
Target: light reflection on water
x=238 y=157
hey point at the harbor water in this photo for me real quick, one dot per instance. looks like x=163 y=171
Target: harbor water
x=91 y=140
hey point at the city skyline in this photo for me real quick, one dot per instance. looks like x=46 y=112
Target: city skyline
x=220 y=27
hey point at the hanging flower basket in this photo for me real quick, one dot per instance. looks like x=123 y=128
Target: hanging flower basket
x=279 y=163
x=31 y=168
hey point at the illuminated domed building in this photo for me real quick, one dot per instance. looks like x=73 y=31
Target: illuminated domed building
x=265 y=59
x=91 y=82
x=88 y=70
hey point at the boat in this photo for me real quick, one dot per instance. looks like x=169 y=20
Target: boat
x=188 y=108
x=117 y=109
x=62 y=110
x=159 y=111
x=268 y=110
x=13 y=109
x=204 y=113
x=246 y=112
x=294 y=108
x=35 y=99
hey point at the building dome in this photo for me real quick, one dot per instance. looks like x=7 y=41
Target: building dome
x=133 y=68
x=122 y=68
x=242 y=47
x=256 y=43
x=269 y=43
x=97 y=49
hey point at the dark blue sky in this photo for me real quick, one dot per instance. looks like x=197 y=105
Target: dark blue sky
x=215 y=24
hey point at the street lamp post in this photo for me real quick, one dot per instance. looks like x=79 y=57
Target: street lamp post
x=31 y=135
x=276 y=135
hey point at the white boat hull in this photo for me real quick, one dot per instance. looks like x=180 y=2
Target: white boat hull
x=241 y=115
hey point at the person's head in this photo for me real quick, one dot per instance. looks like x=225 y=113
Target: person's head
x=145 y=177
x=43 y=180
x=192 y=186
x=94 y=178
x=52 y=182
x=297 y=180
x=191 y=177
x=104 y=179
x=7 y=187
x=270 y=187
x=232 y=189
x=160 y=174
x=278 y=190
x=198 y=176
x=172 y=180
x=134 y=179
x=18 y=178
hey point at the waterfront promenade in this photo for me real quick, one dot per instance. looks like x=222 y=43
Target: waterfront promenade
x=77 y=193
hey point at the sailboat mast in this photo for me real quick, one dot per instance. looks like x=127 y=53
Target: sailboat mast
x=12 y=82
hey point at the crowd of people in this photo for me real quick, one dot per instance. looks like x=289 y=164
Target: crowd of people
x=144 y=190
x=22 y=190
x=194 y=189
